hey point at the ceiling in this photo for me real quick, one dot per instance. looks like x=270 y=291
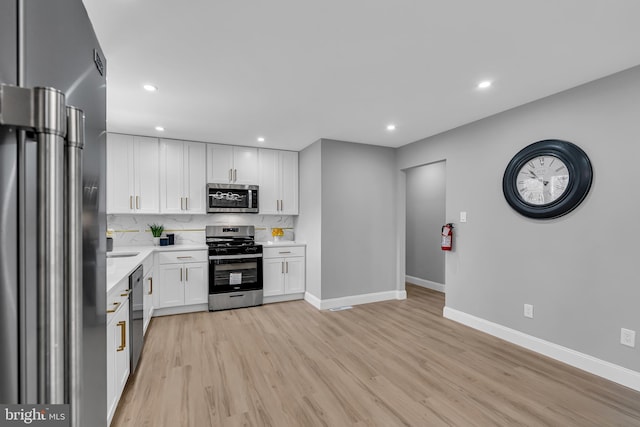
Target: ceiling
x=294 y=71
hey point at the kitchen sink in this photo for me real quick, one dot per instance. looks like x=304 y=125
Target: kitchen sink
x=121 y=254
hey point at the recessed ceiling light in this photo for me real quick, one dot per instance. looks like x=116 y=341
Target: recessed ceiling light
x=391 y=127
x=485 y=84
x=150 y=88
x=159 y=128
x=260 y=139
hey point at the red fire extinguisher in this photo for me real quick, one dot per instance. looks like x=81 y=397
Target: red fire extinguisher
x=446 y=242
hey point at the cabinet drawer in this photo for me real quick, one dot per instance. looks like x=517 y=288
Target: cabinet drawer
x=179 y=257
x=283 y=251
x=117 y=297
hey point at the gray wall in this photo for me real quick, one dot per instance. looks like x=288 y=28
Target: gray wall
x=358 y=219
x=579 y=270
x=348 y=218
x=425 y=194
x=308 y=223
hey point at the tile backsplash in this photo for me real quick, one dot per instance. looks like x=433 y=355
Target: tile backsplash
x=133 y=230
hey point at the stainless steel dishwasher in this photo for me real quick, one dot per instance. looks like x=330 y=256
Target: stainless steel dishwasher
x=136 y=314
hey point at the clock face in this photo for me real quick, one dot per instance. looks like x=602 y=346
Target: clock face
x=547 y=179
x=542 y=180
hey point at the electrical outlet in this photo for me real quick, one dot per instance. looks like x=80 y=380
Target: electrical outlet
x=528 y=311
x=463 y=216
x=627 y=337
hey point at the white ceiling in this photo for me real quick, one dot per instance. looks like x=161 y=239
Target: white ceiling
x=294 y=71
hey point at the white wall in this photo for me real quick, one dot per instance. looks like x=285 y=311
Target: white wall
x=309 y=222
x=425 y=193
x=579 y=271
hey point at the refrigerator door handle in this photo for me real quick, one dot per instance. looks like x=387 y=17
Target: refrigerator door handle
x=73 y=259
x=59 y=258
x=42 y=110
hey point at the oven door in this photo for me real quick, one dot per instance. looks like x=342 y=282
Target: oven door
x=228 y=273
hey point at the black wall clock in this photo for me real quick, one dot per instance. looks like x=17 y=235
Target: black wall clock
x=547 y=179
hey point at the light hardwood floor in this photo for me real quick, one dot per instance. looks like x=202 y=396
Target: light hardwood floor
x=394 y=363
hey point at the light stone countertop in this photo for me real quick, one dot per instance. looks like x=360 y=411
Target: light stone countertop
x=119 y=269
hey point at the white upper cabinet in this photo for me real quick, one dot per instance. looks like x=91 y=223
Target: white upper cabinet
x=132 y=174
x=182 y=176
x=278 y=180
x=227 y=164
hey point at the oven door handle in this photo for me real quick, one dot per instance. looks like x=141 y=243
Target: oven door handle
x=240 y=256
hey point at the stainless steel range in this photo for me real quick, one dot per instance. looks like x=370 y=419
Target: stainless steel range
x=235 y=267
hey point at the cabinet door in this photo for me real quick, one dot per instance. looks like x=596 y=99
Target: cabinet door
x=120 y=171
x=112 y=345
x=245 y=165
x=171 y=286
x=269 y=182
x=171 y=176
x=294 y=278
x=121 y=343
x=195 y=178
x=147 y=175
x=147 y=300
x=219 y=163
x=289 y=182
x=273 y=276
x=196 y=287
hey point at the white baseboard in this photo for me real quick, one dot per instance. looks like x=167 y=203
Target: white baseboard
x=425 y=283
x=326 y=304
x=313 y=300
x=601 y=368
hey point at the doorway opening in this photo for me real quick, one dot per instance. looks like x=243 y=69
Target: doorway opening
x=425 y=215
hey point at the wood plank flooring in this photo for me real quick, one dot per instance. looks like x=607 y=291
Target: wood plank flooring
x=394 y=363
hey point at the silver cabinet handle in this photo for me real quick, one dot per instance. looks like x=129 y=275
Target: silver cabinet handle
x=184 y=257
x=130 y=202
x=181 y=274
x=284 y=252
x=286 y=263
x=186 y=203
x=282 y=267
x=137 y=202
x=281 y=205
x=186 y=274
x=235 y=175
x=230 y=175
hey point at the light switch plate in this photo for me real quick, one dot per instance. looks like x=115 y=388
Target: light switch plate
x=463 y=216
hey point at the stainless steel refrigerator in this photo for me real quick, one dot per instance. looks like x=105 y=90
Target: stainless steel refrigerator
x=52 y=209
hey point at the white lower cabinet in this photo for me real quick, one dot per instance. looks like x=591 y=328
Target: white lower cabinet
x=283 y=270
x=117 y=356
x=147 y=300
x=183 y=278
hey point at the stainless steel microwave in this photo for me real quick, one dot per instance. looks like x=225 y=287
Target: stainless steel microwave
x=232 y=198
